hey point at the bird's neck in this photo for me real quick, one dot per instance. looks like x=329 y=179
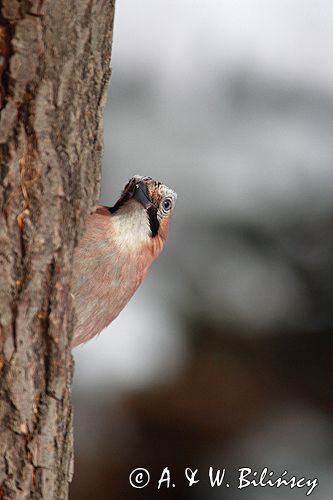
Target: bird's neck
x=130 y=227
x=132 y=234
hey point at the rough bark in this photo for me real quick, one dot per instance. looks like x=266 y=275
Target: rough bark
x=54 y=70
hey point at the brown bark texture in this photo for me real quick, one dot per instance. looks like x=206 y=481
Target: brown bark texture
x=54 y=71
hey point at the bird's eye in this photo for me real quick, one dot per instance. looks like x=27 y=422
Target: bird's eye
x=167 y=204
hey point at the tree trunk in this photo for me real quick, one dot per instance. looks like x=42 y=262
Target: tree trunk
x=54 y=70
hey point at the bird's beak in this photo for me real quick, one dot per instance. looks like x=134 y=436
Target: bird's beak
x=141 y=195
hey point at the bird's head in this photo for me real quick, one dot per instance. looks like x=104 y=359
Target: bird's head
x=145 y=207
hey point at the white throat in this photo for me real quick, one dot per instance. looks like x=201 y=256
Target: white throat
x=131 y=225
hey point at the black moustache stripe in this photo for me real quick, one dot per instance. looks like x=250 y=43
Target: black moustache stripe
x=119 y=203
x=153 y=220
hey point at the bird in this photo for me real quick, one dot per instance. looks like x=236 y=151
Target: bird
x=113 y=255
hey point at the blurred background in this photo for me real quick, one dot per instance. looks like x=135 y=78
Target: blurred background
x=224 y=356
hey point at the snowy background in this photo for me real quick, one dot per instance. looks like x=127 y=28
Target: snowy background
x=230 y=103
